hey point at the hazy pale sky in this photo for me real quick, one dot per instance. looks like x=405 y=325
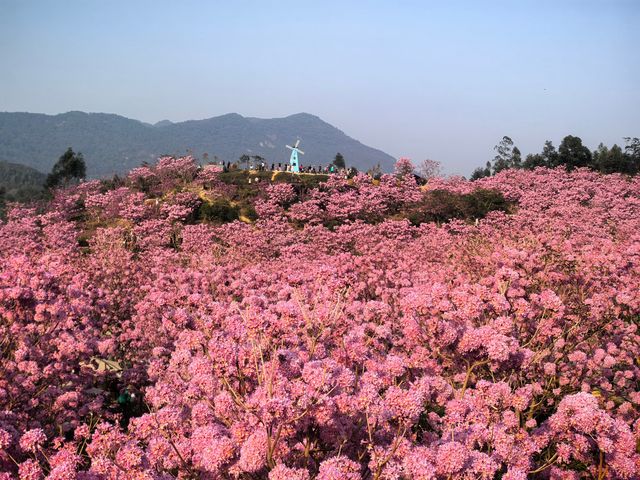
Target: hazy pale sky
x=442 y=80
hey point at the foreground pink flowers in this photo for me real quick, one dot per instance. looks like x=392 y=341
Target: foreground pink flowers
x=332 y=339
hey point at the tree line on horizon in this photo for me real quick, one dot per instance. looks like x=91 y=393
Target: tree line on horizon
x=26 y=184
x=571 y=154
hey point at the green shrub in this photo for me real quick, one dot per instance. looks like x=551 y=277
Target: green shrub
x=442 y=206
x=218 y=211
x=482 y=201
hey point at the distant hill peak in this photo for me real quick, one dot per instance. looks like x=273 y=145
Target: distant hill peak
x=303 y=115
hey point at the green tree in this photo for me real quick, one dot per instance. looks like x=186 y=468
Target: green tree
x=612 y=160
x=339 y=161
x=573 y=154
x=481 y=172
x=516 y=158
x=632 y=151
x=69 y=168
x=534 y=160
x=550 y=154
x=548 y=157
x=632 y=146
x=507 y=156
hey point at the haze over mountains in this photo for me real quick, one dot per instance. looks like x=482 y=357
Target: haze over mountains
x=114 y=144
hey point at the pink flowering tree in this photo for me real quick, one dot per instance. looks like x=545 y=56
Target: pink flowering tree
x=430 y=168
x=404 y=167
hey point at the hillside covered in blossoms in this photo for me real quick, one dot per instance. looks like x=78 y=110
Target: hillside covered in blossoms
x=162 y=326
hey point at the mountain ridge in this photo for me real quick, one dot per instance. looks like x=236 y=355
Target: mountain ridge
x=112 y=143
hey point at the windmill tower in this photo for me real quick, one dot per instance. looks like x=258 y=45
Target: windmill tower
x=293 y=161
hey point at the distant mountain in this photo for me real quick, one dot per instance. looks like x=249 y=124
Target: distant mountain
x=114 y=144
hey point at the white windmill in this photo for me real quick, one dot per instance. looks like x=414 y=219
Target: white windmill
x=293 y=161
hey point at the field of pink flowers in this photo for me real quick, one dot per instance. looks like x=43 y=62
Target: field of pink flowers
x=331 y=339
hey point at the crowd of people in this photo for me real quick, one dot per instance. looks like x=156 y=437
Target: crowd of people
x=286 y=167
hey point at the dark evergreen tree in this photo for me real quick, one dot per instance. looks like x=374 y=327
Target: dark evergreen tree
x=481 y=172
x=339 y=161
x=69 y=168
x=573 y=154
x=534 y=160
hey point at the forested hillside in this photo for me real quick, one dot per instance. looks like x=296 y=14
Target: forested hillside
x=19 y=182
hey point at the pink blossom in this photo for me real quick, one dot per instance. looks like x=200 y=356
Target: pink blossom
x=32 y=439
x=339 y=468
x=253 y=453
x=5 y=438
x=452 y=458
x=280 y=472
x=30 y=470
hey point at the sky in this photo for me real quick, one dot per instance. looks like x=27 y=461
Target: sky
x=442 y=80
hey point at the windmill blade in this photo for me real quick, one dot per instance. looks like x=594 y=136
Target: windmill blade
x=289 y=147
x=300 y=151
x=297 y=143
